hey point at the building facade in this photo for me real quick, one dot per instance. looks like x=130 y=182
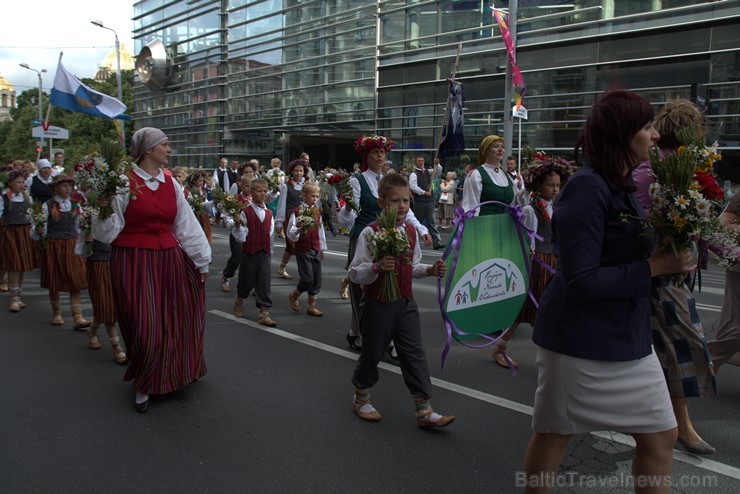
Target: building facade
x=265 y=78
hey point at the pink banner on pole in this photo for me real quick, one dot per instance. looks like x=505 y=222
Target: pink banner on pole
x=516 y=75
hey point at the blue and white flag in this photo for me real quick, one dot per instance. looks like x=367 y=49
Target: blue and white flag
x=68 y=92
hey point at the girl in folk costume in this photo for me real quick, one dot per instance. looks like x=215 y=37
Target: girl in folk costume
x=61 y=269
x=288 y=200
x=543 y=180
x=97 y=256
x=17 y=253
x=241 y=190
x=196 y=195
x=159 y=263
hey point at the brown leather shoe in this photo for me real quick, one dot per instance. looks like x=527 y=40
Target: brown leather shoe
x=365 y=410
x=426 y=422
x=295 y=304
x=264 y=319
x=239 y=307
x=313 y=311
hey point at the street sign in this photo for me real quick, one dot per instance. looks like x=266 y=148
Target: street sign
x=51 y=131
x=519 y=111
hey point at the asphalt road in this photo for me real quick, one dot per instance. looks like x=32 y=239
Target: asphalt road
x=273 y=413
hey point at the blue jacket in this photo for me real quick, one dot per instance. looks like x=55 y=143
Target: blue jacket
x=597 y=305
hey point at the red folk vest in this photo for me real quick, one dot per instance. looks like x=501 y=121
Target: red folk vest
x=149 y=216
x=403 y=269
x=258 y=237
x=309 y=239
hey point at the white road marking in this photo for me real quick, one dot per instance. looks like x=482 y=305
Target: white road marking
x=699 y=462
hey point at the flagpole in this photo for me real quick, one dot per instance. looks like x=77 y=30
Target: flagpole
x=508 y=117
x=48 y=110
x=444 y=116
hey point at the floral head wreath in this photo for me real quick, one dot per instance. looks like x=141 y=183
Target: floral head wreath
x=365 y=144
x=195 y=174
x=297 y=162
x=543 y=165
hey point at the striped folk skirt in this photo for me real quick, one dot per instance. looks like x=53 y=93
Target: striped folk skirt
x=678 y=339
x=101 y=292
x=538 y=279
x=160 y=304
x=17 y=252
x=205 y=224
x=61 y=269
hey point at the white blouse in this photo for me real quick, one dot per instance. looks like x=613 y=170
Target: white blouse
x=185 y=228
x=361 y=267
x=473 y=185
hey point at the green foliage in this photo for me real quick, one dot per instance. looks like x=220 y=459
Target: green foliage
x=85 y=131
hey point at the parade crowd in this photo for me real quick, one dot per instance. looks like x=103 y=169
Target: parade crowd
x=620 y=343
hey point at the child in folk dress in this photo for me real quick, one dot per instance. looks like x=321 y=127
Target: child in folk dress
x=310 y=244
x=17 y=253
x=61 y=269
x=197 y=197
x=101 y=294
x=543 y=180
x=383 y=320
x=254 y=228
x=242 y=191
x=289 y=198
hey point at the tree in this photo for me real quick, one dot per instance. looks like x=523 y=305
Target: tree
x=85 y=131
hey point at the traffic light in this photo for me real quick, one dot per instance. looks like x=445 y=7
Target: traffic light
x=38 y=149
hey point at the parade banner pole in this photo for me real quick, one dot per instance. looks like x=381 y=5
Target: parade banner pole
x=444 y=116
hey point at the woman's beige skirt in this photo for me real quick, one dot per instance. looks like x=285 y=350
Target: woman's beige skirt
x=576 y=396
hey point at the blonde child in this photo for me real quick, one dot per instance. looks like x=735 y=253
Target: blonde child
x=383 y=321
x=17 y=253
x=61 y=269
x=310 y=244
x=179 y=174
x=254 y=228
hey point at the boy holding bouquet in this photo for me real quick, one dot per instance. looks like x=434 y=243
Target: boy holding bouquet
x=253 y=229
x=388 y=256
x=306 y=230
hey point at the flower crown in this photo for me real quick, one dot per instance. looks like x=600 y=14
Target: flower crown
x=363 y=145
x=543 y=165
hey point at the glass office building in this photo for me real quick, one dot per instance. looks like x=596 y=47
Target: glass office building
x=266 y=78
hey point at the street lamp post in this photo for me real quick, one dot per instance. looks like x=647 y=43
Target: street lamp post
x=41 y=103
x=118 y=77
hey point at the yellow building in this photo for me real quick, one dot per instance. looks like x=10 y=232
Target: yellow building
x=7 y=99
x=108 y=65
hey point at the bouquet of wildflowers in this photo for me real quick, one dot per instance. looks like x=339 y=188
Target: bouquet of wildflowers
x=101 y=180
x=340 y=182
x=326 y=189
x=680 y=212
x=389 y=240
x=274 y=179
x=87 y=213
x=38 y=218
x=228 y=204
x=196 y=201
x=307 y=217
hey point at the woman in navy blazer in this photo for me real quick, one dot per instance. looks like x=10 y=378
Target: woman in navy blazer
x=597 y=370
